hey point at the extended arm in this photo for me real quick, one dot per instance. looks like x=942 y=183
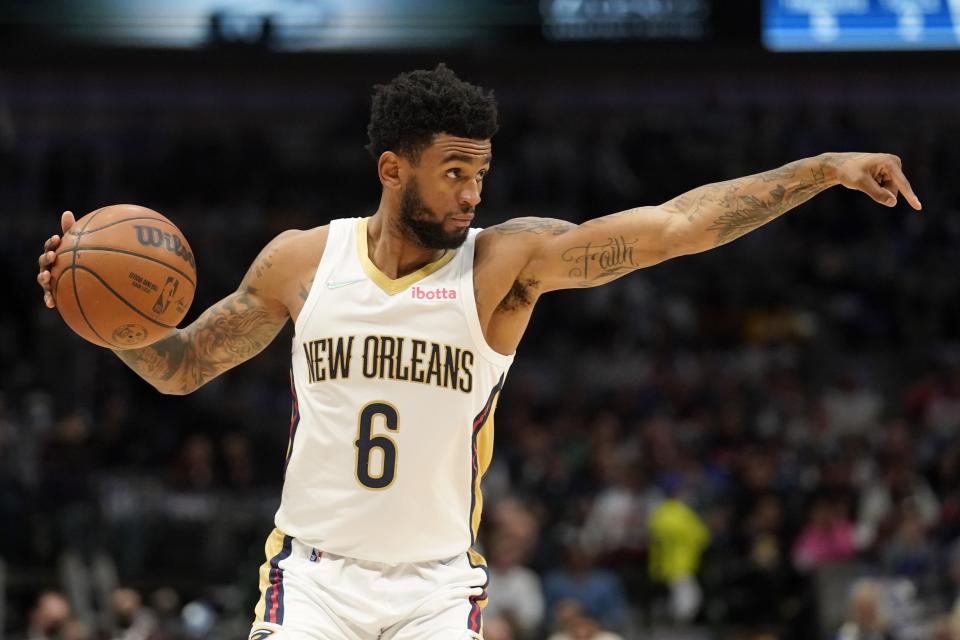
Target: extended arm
x=564 y=255
x=230 y=332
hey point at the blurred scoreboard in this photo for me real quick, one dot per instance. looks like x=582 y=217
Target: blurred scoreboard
x=357 y=25
x=287 y=25
x=597 y=20
x=318 y=25
x=834 y=25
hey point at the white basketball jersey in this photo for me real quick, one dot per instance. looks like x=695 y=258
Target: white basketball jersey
x=394 y=393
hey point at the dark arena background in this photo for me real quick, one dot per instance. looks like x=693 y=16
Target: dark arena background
x=757 y=442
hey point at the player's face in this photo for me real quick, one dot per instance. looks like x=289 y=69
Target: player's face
x=440 y=198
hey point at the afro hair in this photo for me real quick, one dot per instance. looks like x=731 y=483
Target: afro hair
x=410 y=110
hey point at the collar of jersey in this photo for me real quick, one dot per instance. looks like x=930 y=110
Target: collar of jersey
x=389 y=285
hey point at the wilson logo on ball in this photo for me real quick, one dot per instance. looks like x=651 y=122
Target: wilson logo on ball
x=154 y=237
x=124 y=277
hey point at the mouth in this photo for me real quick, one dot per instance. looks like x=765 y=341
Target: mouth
x=462 y=221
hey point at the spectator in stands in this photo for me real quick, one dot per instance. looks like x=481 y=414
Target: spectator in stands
x=678 y=538
x=497 y=627
x=828 y=536
x=852 y=408
x=759 y=586
x=866 y=619
x=573 y=624
x=597 y=591
x=515 y=590
x=240 y=469
x=133 y=620
x=67 y=491
x=165 y=603
x=195 y=470
x=48 y=616
x=910 y=553
x=879 y=501
x=616 y=522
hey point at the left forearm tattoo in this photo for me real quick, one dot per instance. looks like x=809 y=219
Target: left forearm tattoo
x=736 y=207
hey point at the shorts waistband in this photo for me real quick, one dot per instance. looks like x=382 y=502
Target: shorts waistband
x=314 y=554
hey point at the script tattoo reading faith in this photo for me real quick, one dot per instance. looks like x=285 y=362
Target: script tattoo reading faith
x=593 y=263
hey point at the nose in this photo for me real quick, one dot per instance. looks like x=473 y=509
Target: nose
x=470 y=195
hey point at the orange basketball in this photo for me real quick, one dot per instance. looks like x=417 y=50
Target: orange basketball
x=124 y=276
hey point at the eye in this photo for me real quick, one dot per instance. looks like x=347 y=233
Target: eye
x=481 y=174
x=453 y=173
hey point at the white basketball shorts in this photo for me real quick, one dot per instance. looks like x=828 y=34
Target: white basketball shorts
x=307 y=594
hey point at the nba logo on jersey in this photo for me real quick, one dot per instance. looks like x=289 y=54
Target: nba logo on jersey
x=315 y=555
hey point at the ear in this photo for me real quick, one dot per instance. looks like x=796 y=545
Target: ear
x=388 y=167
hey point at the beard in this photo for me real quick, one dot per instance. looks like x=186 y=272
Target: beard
x=416 y=222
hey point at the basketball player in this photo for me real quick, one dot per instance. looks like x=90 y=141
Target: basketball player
x=406 y=322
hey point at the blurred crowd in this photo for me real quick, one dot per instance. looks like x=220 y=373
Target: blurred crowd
x=762 y=441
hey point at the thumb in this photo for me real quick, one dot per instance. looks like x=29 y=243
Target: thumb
x=873 y=189
x=66 y=221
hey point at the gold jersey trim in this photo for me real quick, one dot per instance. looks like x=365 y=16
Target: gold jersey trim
x=389 y=285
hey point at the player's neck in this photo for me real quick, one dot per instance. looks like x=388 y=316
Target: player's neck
x=392 y=252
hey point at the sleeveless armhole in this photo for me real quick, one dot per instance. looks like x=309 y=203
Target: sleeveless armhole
x=337 y=239
x=470 y=305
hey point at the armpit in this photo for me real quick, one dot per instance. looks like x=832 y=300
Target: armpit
x=521 y=295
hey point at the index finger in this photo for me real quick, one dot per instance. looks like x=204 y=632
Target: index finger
x=903 y=185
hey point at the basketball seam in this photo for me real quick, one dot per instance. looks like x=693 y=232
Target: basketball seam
x=73 y=265
x=139 y=255
x=83 y=313
x=87 y=223
x=118 y=296
x=76 y=294
x=116 y=222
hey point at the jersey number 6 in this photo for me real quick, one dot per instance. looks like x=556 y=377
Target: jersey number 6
x=367 y=442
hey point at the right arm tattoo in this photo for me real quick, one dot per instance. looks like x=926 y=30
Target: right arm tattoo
x=228 y=333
